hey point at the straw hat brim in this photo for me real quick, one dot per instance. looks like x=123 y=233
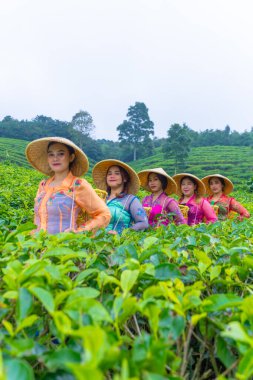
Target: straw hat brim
x=228 y=184
x=178 y=177
x=100 y=170
x=36 y=153
x=171 y=187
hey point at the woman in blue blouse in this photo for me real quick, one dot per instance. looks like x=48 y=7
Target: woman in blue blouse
x=121 y=183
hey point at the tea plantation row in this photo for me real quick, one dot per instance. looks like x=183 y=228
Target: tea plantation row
x=169 y=303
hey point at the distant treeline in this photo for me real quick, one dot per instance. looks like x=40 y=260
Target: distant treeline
x=99 y=149
x=210 y=137
x=42 y=126
x=96 y=149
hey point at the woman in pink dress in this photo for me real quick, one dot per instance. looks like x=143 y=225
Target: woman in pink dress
x=162 y=209
x=218 y=187
x=191 y=190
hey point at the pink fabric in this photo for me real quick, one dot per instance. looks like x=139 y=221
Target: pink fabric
x=163 y=209
x=227 y=204
x=199 y=212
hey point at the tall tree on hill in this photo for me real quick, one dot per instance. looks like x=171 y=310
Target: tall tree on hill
x=137 y=128
x=178 y=145
x=82 y=123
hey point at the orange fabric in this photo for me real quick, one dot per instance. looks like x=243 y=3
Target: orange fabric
x=85 y=199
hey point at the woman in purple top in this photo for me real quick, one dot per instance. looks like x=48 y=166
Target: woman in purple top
x=161 y=208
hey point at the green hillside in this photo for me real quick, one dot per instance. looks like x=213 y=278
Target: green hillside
x=13 y=150
x=232 y=161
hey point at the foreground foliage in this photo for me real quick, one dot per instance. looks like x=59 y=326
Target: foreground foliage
x=169 y=303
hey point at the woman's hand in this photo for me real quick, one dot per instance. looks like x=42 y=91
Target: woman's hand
x=69 y=230
x=112 y=232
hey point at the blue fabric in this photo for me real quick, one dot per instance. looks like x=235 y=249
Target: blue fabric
x=126 y=212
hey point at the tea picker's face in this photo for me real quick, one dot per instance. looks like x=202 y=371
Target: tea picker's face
x=154 y=183
x=59 y=157
x=114 y=178
x=215 y=185
x=188 y=187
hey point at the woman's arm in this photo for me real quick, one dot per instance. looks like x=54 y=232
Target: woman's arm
x=237 y=207
x=209 y=212
x=89 y=201
x=174 y=208
x=36 y=218
x=138 y=215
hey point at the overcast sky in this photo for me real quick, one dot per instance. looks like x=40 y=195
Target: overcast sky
x=189 y=61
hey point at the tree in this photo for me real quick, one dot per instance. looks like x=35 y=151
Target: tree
x=147 y=148
x=83 y=122
x=7 y=119
x=178 y=145
x=137 y=128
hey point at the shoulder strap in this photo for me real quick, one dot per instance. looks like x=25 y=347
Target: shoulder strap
x=169 y=201
x=121 y=211
x=131 y=200
x=74 y=184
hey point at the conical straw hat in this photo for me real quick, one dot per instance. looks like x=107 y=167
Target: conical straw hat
x=228 y=184
x=178 y=177
x=171 y=184
x=100 y=170
x=36 y=153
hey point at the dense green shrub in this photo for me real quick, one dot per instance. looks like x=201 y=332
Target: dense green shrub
x=168 y=303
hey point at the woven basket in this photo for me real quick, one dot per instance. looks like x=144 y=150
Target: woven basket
x=216 y=209
x=147 y=210
x=184 y=210
x=101 y=193
x=83 y=216
x=232 y=215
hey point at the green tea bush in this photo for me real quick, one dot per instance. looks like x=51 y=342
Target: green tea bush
x=170 y=303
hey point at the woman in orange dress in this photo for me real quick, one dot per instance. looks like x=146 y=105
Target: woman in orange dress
x=61 y=198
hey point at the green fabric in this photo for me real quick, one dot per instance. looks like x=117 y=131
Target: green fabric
x=120 y=218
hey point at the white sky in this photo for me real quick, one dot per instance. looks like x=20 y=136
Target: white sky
x=188 y=60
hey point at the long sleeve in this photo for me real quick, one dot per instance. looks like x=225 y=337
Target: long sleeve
x=89 y=201
x=208 y=212
x=36 y=219
x=237 y=207
x=138 y=215
x=173 y=207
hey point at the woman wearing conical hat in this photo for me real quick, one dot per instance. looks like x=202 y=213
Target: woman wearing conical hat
x=61 y=198
x=163 y=209
x=218 y=187
x=191 y=190
x=121 y=183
